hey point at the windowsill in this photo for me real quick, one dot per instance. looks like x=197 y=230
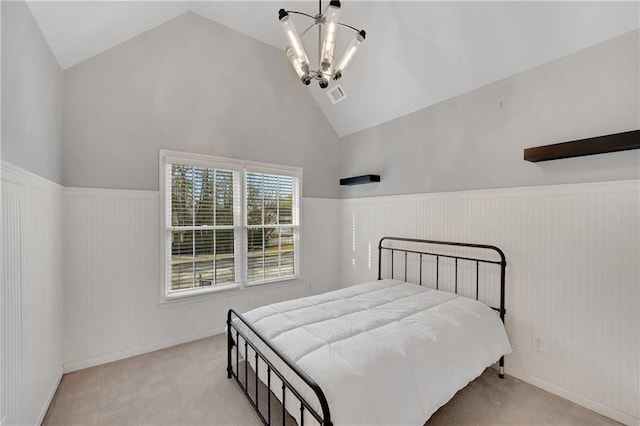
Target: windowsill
x=203 y=295
x=272 y=281
x=187 y=294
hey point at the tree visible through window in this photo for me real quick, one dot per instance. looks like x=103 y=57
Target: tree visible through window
x=215 y=237
x=202 y=228
x=270 y=231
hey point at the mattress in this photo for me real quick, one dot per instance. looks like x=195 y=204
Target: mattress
x=384 y=352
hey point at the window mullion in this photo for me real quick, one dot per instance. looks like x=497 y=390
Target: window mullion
x=262 y=201
x=279 y=251
x=240 y=229
x=193 y=223
x=215 y=258
x=278 y=228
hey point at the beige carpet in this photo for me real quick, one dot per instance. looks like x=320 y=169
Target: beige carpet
x=187 y=385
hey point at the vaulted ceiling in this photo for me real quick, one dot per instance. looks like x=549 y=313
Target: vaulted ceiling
x=416 y=53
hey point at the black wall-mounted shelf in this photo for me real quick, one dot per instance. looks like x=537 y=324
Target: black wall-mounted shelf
x=359 y=180
x=598 y=145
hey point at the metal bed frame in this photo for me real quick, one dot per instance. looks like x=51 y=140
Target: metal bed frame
x=235 y=333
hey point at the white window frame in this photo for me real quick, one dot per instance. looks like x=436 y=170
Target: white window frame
x=240 y=169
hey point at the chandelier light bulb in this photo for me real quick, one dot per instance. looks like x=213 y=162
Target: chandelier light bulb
x=292 y=37
x=301 y=70
x=330 y=28
x=346 y=59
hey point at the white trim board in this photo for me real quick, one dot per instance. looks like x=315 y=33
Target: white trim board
x=14 y=174
x=81 y=365
x=574 y=397
x=109 y=193
x=514 y=192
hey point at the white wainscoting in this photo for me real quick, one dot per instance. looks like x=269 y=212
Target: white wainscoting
x=31 y=328
x=573 y=276
x=112 y=276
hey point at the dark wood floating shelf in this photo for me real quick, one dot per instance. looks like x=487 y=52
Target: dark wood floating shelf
x=358 y=180
x=598 y=145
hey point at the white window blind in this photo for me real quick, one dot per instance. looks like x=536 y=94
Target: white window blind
x=272 y=228
x=228 y=223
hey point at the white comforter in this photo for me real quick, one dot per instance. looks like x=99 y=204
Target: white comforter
x=385 y=352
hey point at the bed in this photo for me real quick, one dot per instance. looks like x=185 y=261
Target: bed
x=382 y=352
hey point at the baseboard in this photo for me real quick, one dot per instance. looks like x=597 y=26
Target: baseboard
x=575 y=398
x=81 y=365
x=52 y=392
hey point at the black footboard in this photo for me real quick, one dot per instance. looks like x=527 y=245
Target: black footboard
x=237 y=329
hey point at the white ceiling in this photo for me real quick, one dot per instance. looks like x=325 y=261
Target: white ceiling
x=416 y=53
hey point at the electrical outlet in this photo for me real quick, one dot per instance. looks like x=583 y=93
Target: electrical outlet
x=537 y=343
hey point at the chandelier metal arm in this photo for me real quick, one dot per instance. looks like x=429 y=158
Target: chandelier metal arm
x=316 y=23
x=349 y=26
x=307 y=30
x=301 y=13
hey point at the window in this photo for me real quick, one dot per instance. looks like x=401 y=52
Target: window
x=270 y=230
x=202 y=234
x=227 y=223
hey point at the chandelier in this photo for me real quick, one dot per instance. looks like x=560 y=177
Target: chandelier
x=327 y=23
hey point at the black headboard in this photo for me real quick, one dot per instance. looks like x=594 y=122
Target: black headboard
x=412 y=253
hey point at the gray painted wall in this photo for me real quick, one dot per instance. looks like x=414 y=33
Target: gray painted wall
x=31 y=95
x=1 y=226
x=0 y=122
x=476 y=140
x=191 y=85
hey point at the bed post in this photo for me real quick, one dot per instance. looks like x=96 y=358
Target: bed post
x=229 y=346
x=503 y=267
x=380 y=258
